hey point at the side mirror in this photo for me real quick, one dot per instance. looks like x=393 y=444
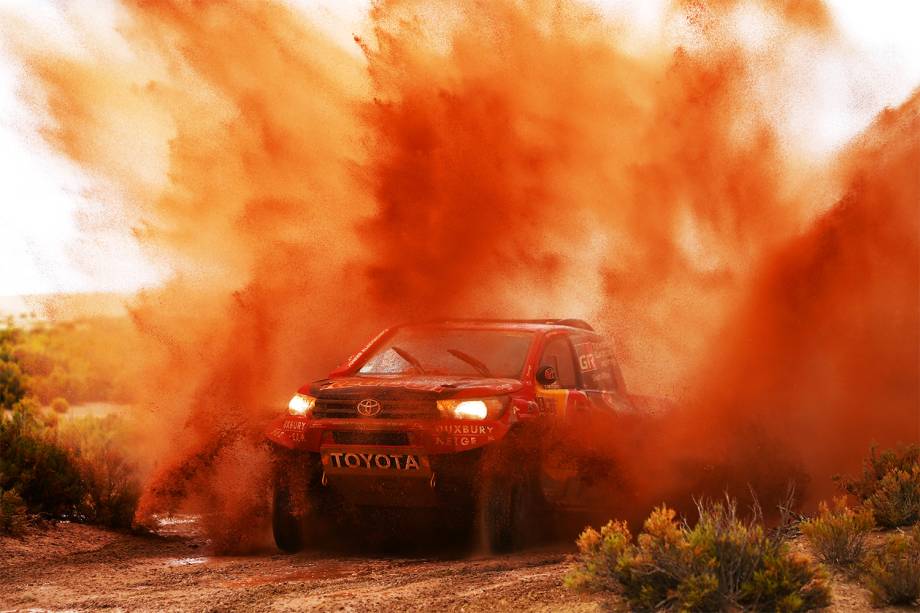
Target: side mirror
x=546 y=375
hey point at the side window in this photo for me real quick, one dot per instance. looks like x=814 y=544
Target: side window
x=597 y=364
x=558 y=354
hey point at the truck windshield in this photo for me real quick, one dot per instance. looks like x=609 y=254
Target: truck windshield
x=450 y=351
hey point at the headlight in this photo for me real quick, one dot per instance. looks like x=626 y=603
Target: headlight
x=301 y=404
x=473 y=409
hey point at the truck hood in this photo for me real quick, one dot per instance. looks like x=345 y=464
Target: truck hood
x=402 y=386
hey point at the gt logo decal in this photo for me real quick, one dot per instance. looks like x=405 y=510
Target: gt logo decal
x=586 y=362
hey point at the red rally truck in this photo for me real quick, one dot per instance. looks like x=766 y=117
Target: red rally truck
x=497 y=420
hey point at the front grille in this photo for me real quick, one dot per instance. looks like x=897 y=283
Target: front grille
x=371 y=438
x=393 y=409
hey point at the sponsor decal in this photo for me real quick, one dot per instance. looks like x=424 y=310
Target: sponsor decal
x=463 y=429
x=547 y=404
x=294 y=425
x=586 y=360
x=392 y=461
x=294 y=434
x=457 y=441
x=426 y=386
x=423 y=385
x=462 y=435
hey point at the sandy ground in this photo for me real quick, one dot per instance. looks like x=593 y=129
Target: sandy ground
x=75 y=567
x=71 y=566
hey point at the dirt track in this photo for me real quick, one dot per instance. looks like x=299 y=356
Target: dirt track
x=77 y=567
x=71 y=566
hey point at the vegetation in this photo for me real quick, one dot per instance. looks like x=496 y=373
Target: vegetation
x=893 y=572
x=723 y=562
x=72 y=469
x=839 y=535
x=33 y=463
x=13 y=516
x=111 y=490
x=60 y=405
x=79 y=361
x=890 y=486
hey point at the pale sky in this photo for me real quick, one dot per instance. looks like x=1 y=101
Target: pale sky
x=42 y=250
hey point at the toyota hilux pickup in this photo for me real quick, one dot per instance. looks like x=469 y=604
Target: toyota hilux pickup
x=498 y=420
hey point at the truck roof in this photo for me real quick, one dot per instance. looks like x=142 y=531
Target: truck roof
x=520 y=324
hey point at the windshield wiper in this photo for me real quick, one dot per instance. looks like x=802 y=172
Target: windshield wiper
x=481 y=368
x=408 y=357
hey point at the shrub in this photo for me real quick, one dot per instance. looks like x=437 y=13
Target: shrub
x=12 y=384
x=32 y=462
x=890 y=486
x=600 y=557
x=75 y=471
x=49 y=419
x=13 y=516
x=896 y=500
x=893 y=572
x=721 y=563
x=80 y=361
x=839 y=535
x=109 y=479
x=60 y=405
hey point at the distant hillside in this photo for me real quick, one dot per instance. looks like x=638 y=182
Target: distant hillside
x=63 y=307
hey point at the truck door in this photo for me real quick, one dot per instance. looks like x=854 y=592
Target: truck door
x=556 y=399
x=609 y=433
x=567 y=404
x=600 y=376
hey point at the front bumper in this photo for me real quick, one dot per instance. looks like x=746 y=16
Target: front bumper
x=445 y=480
x=431 y=437
x=363 y=459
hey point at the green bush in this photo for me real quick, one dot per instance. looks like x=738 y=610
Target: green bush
x=896 y=500
x=720 y=563
x=839 y=535
x=12 y=384
x=13 y=517
x=33 y=462
x=81 y=361
x=76 y=471
x=893 y=572
x=109 y=479
x=890 y=486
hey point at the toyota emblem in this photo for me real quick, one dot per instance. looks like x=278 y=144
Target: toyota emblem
x=369 y=407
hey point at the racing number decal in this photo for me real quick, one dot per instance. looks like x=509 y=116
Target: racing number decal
x=553 y=402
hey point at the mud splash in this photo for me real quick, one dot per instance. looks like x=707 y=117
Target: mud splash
x=499 y=159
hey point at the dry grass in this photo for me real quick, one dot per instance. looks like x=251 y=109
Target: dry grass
x=839 y=535
x=723 y=562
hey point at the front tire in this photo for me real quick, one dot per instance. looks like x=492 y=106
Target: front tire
x=511 y=504
x=301 y=505
x=287 y=525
